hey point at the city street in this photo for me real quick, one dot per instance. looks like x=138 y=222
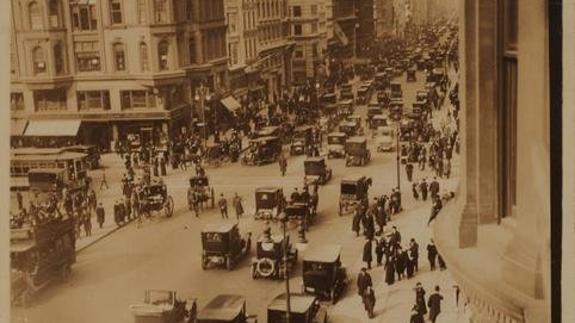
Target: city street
x=165 y=253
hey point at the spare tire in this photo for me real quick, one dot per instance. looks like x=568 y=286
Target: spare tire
x=265 y=267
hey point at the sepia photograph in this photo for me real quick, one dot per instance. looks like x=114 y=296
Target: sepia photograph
x=284 y=161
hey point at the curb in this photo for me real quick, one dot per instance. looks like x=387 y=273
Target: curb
x=103 y=236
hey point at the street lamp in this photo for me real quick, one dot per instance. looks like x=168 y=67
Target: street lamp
x=284 y=219
x=203 y=94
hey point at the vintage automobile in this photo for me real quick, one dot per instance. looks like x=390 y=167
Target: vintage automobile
x=323 y=273
x=269 y=202
x=336 y=145
x=201 y=185
x=303 y=309
x=396 y=91
x=345 y=107
x=154 y=198
x=316 y=171
x=421 y=96
x=222 y=245
x=269 y=261
x=328 y=98
x=363 y=94
x=383 y=98
x=301 y=139
x=378 y=121
x=406 y=129
x=346 y=94
x=419 y=107
x=162 y=306
x=262 y=150
x=350 y=128
x=226 y=308
x=353 y=192
x=270 y=131
x=373 y=110
x=381 y=81
x=215 y=155
x=39 y=255
x=411 y=77
x=396 y=107
x=384 y=138
x=301 y=212
x=356 y=152
x=93 y=158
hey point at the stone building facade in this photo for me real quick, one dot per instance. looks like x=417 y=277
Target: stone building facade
x=495 y=237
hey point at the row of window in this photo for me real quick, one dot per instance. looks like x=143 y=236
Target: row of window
x=272 y=8
x=270 y=32
x=214 y=45
x=297 y=10
x=298 y=28
x=211 y=10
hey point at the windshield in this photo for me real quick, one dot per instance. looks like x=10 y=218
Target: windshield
x=336 y=140
x=348 y=188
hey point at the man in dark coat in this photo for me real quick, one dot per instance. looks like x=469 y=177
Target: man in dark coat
x=434 y=303
x=435 y=208
x=356 y=221
x=368 y=299
x=434 y=187
x=117 y=213
x=223 y=205
x=423 y=189
x=390 y=271
x=420 y=299
x=369 y=225
x=100 y=214
x=414 y=190
x=409 y=171
x=363 y=281
x=431 y=254
x=380 y=250
x=414 y=253
x=367 y=250
x=395 y=238
x=400 y=262
x=380 y=219
x=238 y=206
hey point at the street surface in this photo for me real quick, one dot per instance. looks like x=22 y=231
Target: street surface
x=165 y=253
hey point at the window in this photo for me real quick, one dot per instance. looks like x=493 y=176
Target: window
x=50 y=100
x=233 y=53
x=508 y=111
x=192 y=51
x=115 y=12
x=87 y=56
x=84 y=16
x=35 y=15
x=93 y=100
x=315 y=51
x=190 y=9
x=160 y=11
x=144 y=61
x=163 y=52
x=297 y=30
x=298 y=53
x=58 y=59
x=296 y=11
x=54 y=13
x=137 y=99
x=231 y=22
x=16 y=101
x=314 y=27
x=142 y=12
x=119 y=57
x=314 y=10
x=39 y=60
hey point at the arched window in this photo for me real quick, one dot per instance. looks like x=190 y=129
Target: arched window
x=39 y=60
x=144 y=62
x=54 y=13
x=58 y=59
x=35 y=16
x=163 y=52
x=119 y=57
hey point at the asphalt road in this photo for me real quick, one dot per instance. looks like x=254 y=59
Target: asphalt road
x=166 y=253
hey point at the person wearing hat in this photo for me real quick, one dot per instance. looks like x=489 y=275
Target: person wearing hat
x=368 y=298
x=100 y=215
x=367 y=252
x=295 y=196
x=434 y=303
x=363 y=281
x=223 y=205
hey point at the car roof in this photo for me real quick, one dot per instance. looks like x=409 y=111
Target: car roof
x=267 y=189
x=264 y=139
x=323 y=253
x=345 y=102
x=219 y=227
x=356 y=139
x=379 y=116
x=223 y=307
x=315 y=159
x=352 y=178
x=47 y=170
x=348 y=123
x=299 y=303
x=276 y=238
x=336 y=134
x=304 y=127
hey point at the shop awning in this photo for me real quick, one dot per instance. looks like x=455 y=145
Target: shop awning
x=53 y=128
x=17 y=127
x=231 y=103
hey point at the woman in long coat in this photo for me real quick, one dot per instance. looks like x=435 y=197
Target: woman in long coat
x=390 y=271
x=400 y=263
x=356 y=221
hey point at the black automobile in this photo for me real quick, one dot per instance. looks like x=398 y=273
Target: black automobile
x=353 y=191
x=300 y=212
x=396 y=91
x=262 y=150
x=269 y=202
x=222 y=245
x=323 y=273
x=336 y=144
x=356 y=151
x=269 y=261
x=303 y=309
x=301 y=139
x=226 y=309
x=411 y=75
x=316 y=171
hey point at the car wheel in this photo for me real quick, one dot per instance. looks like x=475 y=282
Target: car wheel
x=332 y=296
x=228 y=263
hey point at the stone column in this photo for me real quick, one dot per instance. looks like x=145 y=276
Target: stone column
x=469 y=129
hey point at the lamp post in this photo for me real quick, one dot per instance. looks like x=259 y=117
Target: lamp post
x=202 y=94
x=284 y=219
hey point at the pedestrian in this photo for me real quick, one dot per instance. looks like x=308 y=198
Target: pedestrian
x=435 y=208
x=117 y=213
x=100 y=215
x=356 y=221
x=163 y=169
x=414 y=253
x=431 y=254
x=441 y=262
x=368 y=299
x=104 y=182
x=238 y=206
x=369 y=226
x=423 y=189
x=367 y=253
x=434 y=303
x=128 y=207
x=400 y=263
x=379 y=250
x=420 y=299
x=409 y=171
x=434 y=187
x=223 y=205
x=390 y=270
x=283 y=164
x=414 y=190
x=395 y=238
x=416 y=316
x=409 y=263
x=88 y=223
x=363 y=281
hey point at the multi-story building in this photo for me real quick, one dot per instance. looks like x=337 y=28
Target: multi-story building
x=495 y=236
x=308 y=30
x=117 y=67
x=383 y=17
x=365 y=32
x=274 y=47
x=344 y=23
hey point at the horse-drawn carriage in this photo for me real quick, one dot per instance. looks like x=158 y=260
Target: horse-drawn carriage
x=200 y=186
x=154 y=198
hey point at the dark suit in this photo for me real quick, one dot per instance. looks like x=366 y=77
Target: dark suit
x=434 y=304
x=367 y=256
x=363 y=280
